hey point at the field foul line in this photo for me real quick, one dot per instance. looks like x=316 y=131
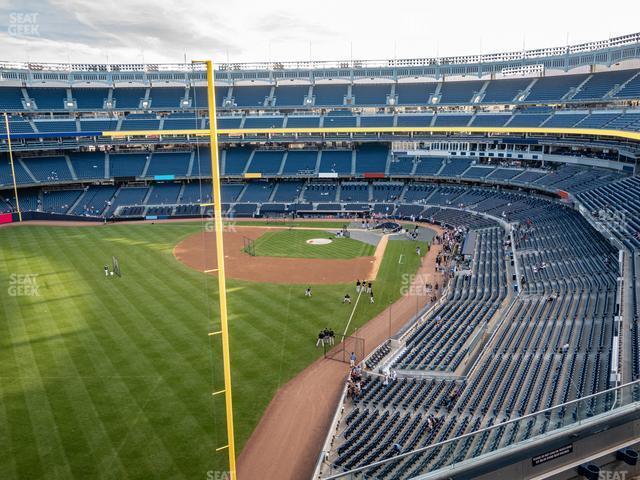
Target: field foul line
x=400 y=262
x=212 y=270
x=352 y=313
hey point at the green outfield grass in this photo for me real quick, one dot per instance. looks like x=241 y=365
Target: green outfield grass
x=293 y=244
x=112 y=378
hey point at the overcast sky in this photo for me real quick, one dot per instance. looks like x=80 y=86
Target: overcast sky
x=133 y=31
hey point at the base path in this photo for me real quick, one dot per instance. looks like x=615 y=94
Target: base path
x=286 y=443
x=198 y=252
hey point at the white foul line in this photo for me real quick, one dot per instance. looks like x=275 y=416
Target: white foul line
x=351 y=316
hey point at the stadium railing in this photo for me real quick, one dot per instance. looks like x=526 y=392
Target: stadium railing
x=596 y=409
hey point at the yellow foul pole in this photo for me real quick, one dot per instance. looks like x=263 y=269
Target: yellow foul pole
x=222 y=285
x=13 y=172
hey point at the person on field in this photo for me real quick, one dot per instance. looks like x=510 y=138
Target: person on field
x=327 y=336
x=307 y=292
x=332 y=337
x=353 y=359
x=369 y=287
x=358 y=286
x=347 y=298
x=106 y=270
x=371 y=297
x=320 y=339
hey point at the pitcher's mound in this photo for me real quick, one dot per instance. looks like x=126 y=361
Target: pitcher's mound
x=319 y=241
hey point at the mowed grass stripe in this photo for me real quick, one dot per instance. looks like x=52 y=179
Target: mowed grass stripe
x=83 y=405
x=293 y=244
x=50 y=455
x=73 y=392
x=162 y=347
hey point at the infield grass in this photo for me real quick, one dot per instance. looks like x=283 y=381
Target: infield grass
x=112 y=378
x=293 y=244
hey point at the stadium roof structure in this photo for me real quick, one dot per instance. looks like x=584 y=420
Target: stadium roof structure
x=510 y=64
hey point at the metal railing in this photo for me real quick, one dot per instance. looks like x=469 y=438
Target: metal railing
x=615 y=42
x=529 y=428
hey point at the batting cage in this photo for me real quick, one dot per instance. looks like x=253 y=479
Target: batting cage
x=116 y=266
x=249 y=246
x=342 y=351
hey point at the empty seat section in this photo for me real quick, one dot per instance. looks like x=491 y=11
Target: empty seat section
x=287 y=191
x=266 y=162
x=459 y=92
x=11 y=99
x=354 y=192
x=490 y=120
x=94 y=201
x=255 y=96
x=303 y=122
x=59 y=201
x=444 y=120
x=48 y=98
x=554 y=88
x=401 y=165
x=56 y=126
x=428 y=165
x=455 y=167
x=88 y=165
x=376 y=121
x=371 y=158
x=290 y=95
x=5 y=171
x=263 y=122
x=329 y=95
x=127 y=164
x=300 y=162
x=164 y=194
x=90 y=98
x=176 y=163
x=414 y=120
x=337 y=161
x=602 y=83
x=370 y=94
x=166 y=97
x=564 y=120
x=320 y=192
x=128 y=97
x=415 y=93
x=236 y=160
x=505 y=91
x=48 y=169
x=527 y=120
x=340 y=119
x=258 y=192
